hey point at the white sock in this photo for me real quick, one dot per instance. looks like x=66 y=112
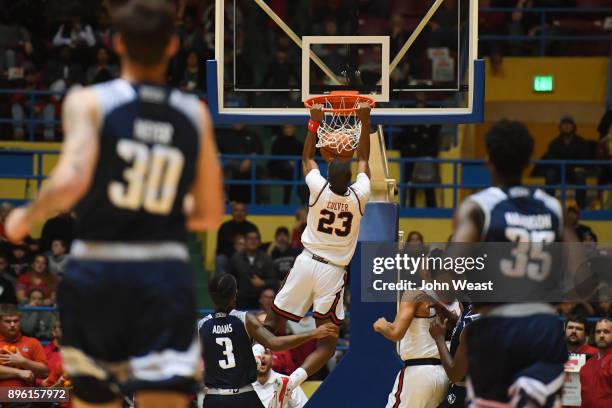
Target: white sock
x=296 y=379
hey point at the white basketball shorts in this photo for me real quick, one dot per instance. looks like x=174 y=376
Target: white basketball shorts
x=312 y=283
x=419 y=387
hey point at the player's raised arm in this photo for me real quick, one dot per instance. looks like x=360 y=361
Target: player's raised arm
x=363 y=150
x=316 y=117
x=207 y=190
x=276 y=343
x=396 y=330
x=71 y=177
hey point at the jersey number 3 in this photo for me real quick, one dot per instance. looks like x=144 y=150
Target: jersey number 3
x=228 y=352
x=151 y=181
x=328 y=218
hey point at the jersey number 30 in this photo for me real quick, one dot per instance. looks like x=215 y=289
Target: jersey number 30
x=151 y=181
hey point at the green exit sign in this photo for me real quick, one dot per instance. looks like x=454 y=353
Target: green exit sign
x=543 y=83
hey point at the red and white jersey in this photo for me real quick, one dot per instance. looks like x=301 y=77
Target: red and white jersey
x=333 y=220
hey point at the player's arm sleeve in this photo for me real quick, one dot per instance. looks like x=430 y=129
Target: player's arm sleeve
x=315 y=183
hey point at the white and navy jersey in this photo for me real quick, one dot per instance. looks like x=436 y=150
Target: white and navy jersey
x=519 y=214
x=227 y=351
x=533 y=220
x=333 y=220
x=149 y=139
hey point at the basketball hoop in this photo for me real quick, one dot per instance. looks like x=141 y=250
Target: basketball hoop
x=341 y=128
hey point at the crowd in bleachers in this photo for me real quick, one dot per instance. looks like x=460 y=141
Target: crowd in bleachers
x=70 y=43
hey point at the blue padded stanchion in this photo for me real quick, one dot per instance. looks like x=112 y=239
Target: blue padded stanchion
x=365 y=376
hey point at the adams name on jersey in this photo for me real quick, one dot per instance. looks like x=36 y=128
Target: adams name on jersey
x=227 y=351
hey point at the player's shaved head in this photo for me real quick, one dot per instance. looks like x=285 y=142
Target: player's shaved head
x=339 y=176
x=223 y=289
x=509 y=145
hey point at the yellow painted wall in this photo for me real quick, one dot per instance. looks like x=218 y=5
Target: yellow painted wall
x=575 y=80
x=580 y=90
x=20 y=189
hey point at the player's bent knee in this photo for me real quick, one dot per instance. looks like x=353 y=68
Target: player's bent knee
x=90 y=391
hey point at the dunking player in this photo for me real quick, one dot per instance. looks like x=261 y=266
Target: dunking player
x=318 y=275
x=134 y=150
x=226 y=338
x=515 y=351
x=422 y=383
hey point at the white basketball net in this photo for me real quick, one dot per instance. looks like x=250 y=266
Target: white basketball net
x=340 y=132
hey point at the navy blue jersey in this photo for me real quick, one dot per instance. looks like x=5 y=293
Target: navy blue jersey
x=519 y=214
x=532 y=220
x=149 y=140
x=227 y=351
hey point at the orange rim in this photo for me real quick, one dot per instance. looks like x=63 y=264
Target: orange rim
x=342 y=98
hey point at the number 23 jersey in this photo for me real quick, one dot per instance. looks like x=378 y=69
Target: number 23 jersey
x=149 y=139
x=333 y=220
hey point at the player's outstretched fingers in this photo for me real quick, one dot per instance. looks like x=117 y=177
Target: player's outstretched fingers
x=327 y=330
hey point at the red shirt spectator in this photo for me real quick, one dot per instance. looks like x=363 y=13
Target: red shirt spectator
x=575 y=336
x=22 y=358
x=37 y=277
x=587 y=349
x=54 y=362
x=54 y=359
x=596 y=374
x=57 y=377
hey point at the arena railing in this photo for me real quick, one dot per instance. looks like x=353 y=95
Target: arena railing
x=31 y=99
x=466 y=176
x=543 y=37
